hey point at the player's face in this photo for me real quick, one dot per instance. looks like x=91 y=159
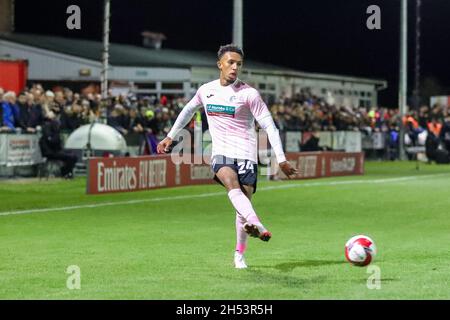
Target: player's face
x=230 y=64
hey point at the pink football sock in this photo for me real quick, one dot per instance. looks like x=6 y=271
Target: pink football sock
x=243 y=205
x=241 y=235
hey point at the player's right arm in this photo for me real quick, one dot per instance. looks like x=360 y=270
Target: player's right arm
x=182 y=120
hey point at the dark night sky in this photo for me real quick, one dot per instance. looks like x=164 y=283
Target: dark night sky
x=327 y=36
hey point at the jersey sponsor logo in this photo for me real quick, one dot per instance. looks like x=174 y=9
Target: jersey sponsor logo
x=219 y=110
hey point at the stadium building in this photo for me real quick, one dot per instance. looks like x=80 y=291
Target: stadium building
x=76 y=63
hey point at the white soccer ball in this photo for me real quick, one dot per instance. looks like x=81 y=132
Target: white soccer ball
x=360 y=250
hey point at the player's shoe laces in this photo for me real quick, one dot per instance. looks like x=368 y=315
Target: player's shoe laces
x=257 y=231
x=239 y=261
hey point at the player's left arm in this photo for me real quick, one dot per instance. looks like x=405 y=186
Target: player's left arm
x=264 y=118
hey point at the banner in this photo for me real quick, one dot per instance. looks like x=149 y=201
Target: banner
x=366 y=141
x=339 y=140
x=323 y=164
x=378 y=139
x=124 y=174
x=353 y=141
x=325 y=139
x=19 y=150
x=3 y=149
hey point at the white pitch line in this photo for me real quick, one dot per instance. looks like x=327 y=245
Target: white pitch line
x=213 y=194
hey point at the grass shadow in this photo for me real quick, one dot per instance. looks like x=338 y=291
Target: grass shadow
x=289 y=266
x=286 y=280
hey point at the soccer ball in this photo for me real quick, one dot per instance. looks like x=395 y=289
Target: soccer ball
x=360 y=250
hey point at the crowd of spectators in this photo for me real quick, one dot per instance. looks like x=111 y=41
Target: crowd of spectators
x=307 y=112
x=154 y=117
x=127 y=114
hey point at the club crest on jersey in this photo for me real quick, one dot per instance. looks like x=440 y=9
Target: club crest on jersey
x=233 y=98
x=220 y=110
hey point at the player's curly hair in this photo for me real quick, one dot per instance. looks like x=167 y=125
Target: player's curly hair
x=229 y=48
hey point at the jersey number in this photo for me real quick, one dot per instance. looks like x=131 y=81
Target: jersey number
x=244 y=166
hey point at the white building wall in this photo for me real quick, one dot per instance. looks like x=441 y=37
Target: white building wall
x=142 y=74
x=48 y=65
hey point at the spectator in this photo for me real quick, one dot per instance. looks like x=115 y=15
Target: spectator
x=116 y=119
x=150 y=124
x=431 y=145
x=434 y=126
x=135 y=121
x=445 y=133
x=51 y=146
x=163 y=100
x=10 y=112
x=87 y=113
x=412 y=127
x=50 y=102
x=24 y=113
x=35 y=114
x=59 y=102
x=72 y=117
x=30 y=114
x=163 y=123
x=424 y=116
x=312 y=144
x=393 y=142
x=68 y=94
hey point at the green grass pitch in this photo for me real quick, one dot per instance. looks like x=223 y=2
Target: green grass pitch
x=179 y=243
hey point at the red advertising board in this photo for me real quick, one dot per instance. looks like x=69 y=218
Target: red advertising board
x=324 y=164
x=124 y=174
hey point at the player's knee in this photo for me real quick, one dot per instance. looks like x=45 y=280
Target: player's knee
x=231 y=183
x=228 y=178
